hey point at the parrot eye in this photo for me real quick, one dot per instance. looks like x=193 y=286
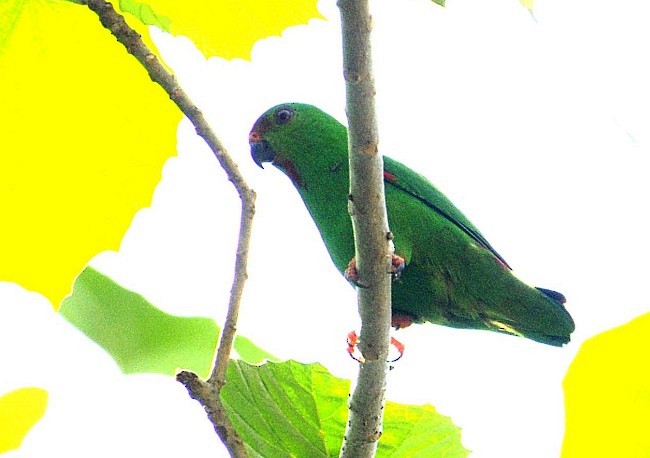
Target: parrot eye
x=284 y=115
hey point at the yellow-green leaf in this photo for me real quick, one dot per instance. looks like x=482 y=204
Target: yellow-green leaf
x=419 y=431
x=607 y=394
x=84 y=136
x=19 y=411
x=227 y=29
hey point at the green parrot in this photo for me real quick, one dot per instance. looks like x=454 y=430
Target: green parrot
x=451 y=275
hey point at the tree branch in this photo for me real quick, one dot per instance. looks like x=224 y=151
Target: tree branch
x=207 y=393
x=371 y=235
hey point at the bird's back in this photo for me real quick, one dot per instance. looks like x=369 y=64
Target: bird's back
x=453 y=275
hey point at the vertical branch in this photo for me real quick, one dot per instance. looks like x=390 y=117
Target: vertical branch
x=206 y=393
x=367 y=209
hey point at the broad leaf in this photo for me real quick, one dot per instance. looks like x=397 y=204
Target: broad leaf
x=140 y=337
x=607 y=394
x=20 y=410
x=292 y=409
x=251 y=353
x=85 y=134
x=419 y=431
x=227 y=29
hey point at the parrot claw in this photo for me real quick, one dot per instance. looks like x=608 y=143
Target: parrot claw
x=353 y=340
x=397 y=266
x=399 y=346
x=352 y=275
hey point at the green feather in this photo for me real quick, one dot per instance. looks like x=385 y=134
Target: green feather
x=453 y=276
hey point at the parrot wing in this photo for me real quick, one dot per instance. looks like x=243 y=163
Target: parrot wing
x=414 y=184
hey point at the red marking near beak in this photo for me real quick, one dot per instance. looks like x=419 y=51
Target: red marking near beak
x=389 y=176
x=254 y=137
x=290 y=169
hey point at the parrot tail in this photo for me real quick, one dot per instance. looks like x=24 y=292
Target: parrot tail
x=557 y=297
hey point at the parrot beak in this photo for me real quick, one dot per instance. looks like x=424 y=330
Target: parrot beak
x=261 y=151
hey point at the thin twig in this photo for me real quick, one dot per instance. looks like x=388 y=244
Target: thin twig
x=372 y=238
x=207 y=393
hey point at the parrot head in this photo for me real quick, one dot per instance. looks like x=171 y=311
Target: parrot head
x=300 y=140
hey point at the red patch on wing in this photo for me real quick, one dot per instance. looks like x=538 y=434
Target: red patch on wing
x=390 y=177
x=290 y=170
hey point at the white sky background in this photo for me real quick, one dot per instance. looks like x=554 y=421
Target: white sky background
x=539 y=130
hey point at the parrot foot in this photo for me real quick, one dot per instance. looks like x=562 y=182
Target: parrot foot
x=397 y=266
x=399 y=346
x=353 y=340
x=352 y=275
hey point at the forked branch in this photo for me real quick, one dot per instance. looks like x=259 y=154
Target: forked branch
x=207 y=393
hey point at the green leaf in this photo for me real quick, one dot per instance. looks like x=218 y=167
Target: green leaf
x=292 y=409
x=251 y=353
x=140 y=337
x=439 y=2
x=145 y=13
x=411 y=431
x=286 y=409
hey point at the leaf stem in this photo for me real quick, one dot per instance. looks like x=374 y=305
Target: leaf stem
x=371 y=234
x=206 y=393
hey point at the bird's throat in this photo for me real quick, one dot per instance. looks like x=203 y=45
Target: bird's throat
x=290 y=170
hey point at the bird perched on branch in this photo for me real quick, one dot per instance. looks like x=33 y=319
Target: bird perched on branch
x=448 y=272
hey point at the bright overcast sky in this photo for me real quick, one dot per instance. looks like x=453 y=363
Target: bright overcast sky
x=538 y=128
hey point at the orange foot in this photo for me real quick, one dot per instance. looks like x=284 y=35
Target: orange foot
x=352 y=275
x=353 y=340
x=397 y=266
x=399 y=346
